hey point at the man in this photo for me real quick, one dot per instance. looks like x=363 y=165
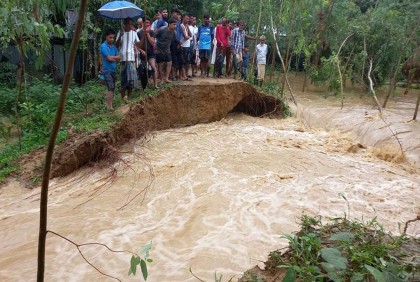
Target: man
x=222 y=36
x=163 y=21
x=194 y=44
x=185 y=46
x=139 y=24
x=158 y=16
x=229 y=51
x=127 y=38
x=176 y=51
x=147 y=42
x=110 y=57
x=205 y=37
x=238 y=44
x=262 y=51
x=165 y=36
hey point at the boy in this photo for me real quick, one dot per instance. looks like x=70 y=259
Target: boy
x=245 y=63
x=110 y=57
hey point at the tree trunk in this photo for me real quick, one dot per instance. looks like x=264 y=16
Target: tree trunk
x=20 y=77
x=273 y=62
x=417 y=106
x=50 y=150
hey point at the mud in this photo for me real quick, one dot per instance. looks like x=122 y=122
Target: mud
x=178 y=106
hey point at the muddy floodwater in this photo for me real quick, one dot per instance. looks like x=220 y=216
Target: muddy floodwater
x=221 y=197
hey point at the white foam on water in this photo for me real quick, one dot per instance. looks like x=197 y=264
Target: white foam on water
x=223 y=195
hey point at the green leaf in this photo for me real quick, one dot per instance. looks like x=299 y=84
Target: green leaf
x=334 y=276
x=133 y=265
x=379 y=277
x=290 y=275
x=342 y=236
x=328 y=267
x=357 y=277
x=144 y=269
x=146 y=249
x=149 y=260
x=333 y=256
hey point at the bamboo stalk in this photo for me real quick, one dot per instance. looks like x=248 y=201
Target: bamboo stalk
x=51 y=144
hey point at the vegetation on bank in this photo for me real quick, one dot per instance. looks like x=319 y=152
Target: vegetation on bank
x=342 y=250
x=84 y=113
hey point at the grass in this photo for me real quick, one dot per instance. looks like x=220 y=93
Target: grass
x=85 y=113
x=343 y=250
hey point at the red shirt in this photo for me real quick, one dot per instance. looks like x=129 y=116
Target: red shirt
x=222 y=35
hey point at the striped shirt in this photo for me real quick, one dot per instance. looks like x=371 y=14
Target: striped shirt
x=128 y=39
x=238 y=40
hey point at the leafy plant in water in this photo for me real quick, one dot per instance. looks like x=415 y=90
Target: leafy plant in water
x=141 y=261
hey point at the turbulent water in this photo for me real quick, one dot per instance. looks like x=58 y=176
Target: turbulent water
x=221 y=197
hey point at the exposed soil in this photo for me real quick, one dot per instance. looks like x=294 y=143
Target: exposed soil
x=178 y=106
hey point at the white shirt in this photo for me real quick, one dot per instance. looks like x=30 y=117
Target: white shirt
x=185 y=42
x=194 y=32
x=128 y=39
x=262 y=50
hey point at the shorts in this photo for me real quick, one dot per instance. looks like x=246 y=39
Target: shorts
x=204 y=54
x=192 y=56
x=110 y=78
x=163 y=58
x=186 y=53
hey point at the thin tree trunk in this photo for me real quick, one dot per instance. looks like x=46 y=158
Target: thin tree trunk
x=339 y=71
x=371 y=86
x=273 y=62
x=258 y=30
x=362 y=82
x=397 y=67
x=21 y=74
x=417 y=106
x=281 y=58
x=54 y=131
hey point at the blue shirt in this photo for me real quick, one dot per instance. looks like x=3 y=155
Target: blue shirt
x=108 y=50
x=161 y=22
x=205 y=33
x=179 y=34
x=245 y=59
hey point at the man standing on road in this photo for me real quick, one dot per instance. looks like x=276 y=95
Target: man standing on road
x=205 y=38
x=165 y=36
x=127 y=38
x=222 y=37
x=262 y=51
x=110 y=57
x=147 y=43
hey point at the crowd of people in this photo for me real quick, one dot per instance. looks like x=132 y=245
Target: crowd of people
x=174 y=47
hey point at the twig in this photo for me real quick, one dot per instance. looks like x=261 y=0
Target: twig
x=409 y=221
x=89 y=244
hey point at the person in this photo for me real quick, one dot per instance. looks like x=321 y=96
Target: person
x=127 y=38
x=229 y=52
x=147 y=42
x=194 y=46
x=245 y=63
x=205 y=37
x=176 y=51
x=222 y=36
x=185 y=45
x=163 y=21
x=238 y=43
x=139 y=24
x=165 y=36
x=110 y=57
x=158 y=16
x=262 y=50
